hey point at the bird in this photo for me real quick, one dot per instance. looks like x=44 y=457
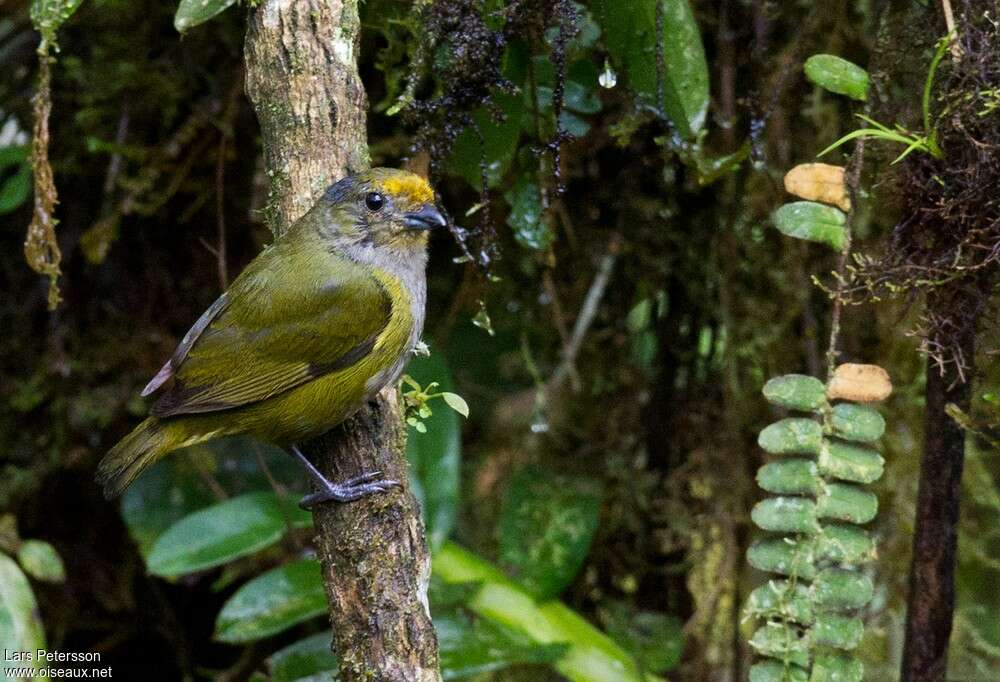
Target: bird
x=317 y=324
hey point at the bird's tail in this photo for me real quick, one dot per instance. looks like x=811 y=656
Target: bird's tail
x=148 y=442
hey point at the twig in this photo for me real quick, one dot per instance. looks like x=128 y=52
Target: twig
x=949 y=22
x=220 y=213
x=588 y=311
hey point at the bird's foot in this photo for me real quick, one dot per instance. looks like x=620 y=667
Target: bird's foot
x=348 y=491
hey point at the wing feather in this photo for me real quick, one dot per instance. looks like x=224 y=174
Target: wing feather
x=277 y=329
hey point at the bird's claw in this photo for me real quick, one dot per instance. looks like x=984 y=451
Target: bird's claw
x=350 y=490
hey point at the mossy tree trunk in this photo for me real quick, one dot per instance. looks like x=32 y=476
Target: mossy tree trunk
x=303 y=80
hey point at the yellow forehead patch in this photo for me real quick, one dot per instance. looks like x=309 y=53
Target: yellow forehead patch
x=411 y=186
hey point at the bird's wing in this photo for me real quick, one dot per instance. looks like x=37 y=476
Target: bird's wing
x=282 y=323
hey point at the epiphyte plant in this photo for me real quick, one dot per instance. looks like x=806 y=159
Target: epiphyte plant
x=823 y=460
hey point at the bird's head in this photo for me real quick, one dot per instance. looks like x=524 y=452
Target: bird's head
x=385 y=208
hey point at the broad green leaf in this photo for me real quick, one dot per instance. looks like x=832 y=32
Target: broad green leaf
x=470 y=647
x=190 y=13
x=532 y=228
x=15 y=190
x=631 y=38
x=41 y=561
x=176 y=487
x=20 y=627
x=48 y=15
x=813 y=222
x=497 y=147
x=272 y=602
x=223 y=532
x=12 y=155
x=306 y=660
x=655 y=639
x=837 y=75
x=435 y=455
x=546 y=525
x=591 y=657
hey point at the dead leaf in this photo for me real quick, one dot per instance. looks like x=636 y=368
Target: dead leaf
x=819 y=182
x=860 y=383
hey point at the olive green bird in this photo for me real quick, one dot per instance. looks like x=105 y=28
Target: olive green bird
x=319 y=322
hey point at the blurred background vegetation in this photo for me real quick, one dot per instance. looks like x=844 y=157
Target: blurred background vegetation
x=610 y=307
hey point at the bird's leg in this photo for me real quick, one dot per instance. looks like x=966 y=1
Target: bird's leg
x=352 y=489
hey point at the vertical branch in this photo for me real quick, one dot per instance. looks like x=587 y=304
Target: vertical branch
x=303 y=80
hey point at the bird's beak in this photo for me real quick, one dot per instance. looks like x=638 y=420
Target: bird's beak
x=426 y=218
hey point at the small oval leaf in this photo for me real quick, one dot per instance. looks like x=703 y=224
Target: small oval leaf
x=842 y=544
x=839 y=588
x=849 y=462
x=838 y=75
x=837 y=668
x=777 y=599
x=785 y=514
x=272 y=602
x=779 y=640
x=783 y=556
x=812 y=222
x=796 y=392
x=457 y=403
x=858 y=423
x=790 y=477
x=774 y=671
x=846 y=502
x=792 y=436
x=836 y=631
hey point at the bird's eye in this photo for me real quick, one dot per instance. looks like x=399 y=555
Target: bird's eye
x=374 y=201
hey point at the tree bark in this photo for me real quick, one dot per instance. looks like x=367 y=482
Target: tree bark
x=935 y=542
x=303 y=80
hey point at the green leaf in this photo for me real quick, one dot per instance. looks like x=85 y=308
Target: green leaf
x=471 y=647
x=15 y=190
x=840 y=588
x=656 y=640
x=837 y=668
x=546 y=525
x=796 y=392
x=850 y=462
x=498 y=146
x=774 y=671
x=813 y=222
x=837 y=631
x=307 y=659
x=41 y=561
x=859 y=423
x=591 y=657
x=790 y=477
x=843 y=544
x=13 y=155
x=778 y=640
x=846 y=502
x=223 y=532
x=837 y=75
x=20 y=627
x=48 y=15
x=532 y=229
x=272 y=602
x=785 y=514
x=631 y=39
x=457 y=403
x=190 y=13
x=794 y=435
x=778 y=599
x=175 y=487
x=435 y=455
x=783 y=556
